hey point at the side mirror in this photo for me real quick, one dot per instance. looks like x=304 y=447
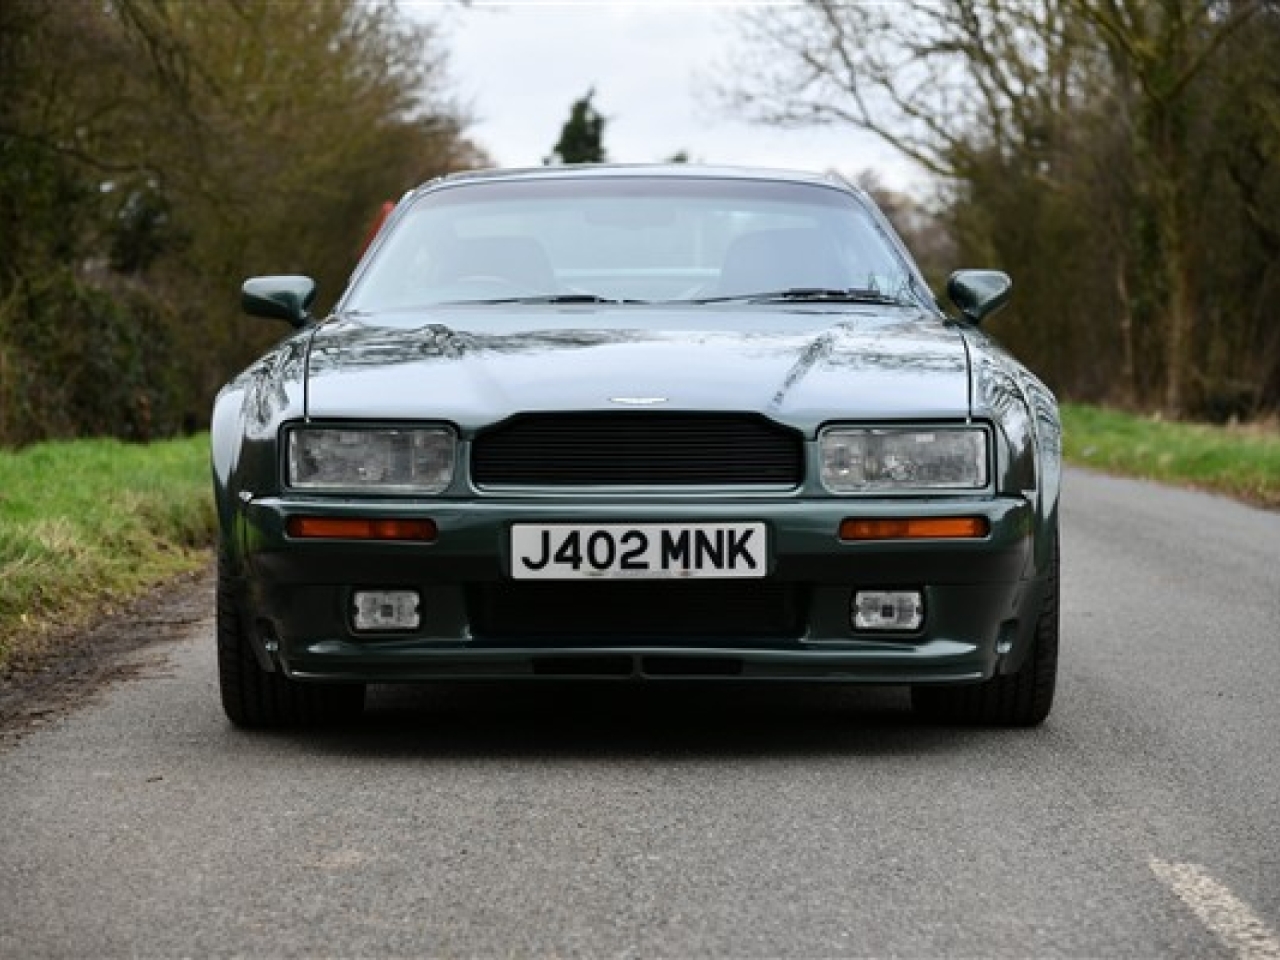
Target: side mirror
x=979 y=293
x=279 y=298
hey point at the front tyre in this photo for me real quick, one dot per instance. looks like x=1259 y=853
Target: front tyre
x=254 y=698
x=1019 y=699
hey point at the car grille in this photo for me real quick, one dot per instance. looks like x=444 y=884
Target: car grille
x=632 y=611
x=638 y=449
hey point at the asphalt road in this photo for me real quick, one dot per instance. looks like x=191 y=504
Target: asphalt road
x=1143 y=819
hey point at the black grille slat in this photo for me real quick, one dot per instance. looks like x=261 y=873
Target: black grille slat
x=637 y=449
x=658 y=610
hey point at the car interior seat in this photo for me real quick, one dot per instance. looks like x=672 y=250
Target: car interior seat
x=770 y=260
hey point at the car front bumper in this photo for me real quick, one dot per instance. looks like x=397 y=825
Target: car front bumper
x=981 y=596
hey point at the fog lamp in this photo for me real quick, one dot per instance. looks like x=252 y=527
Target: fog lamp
x=888 y=610
x=386 y=610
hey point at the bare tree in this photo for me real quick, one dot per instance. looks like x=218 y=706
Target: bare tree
x=155 y=152
x=1047 y=122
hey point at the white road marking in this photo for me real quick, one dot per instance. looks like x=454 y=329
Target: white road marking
x=1220 y=910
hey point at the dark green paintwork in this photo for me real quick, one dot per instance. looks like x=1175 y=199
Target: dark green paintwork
x=806 y=366
x=979 y=293
x=287 y=298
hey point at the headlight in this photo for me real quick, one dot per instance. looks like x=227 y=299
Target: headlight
x=376 y=460
x=903 y=461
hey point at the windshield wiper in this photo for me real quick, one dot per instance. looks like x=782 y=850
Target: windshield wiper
x=808 y=295
x=555 y=298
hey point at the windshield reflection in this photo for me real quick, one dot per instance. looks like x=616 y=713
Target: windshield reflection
x=629 y=239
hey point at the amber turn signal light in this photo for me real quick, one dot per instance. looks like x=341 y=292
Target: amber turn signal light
x=361 y=528
x=916 y=528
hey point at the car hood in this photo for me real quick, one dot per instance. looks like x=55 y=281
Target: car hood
x=476 y=365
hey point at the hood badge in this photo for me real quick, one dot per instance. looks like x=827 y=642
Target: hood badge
x=638 y=401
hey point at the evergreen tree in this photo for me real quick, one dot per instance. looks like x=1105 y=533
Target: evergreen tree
x=582 y=137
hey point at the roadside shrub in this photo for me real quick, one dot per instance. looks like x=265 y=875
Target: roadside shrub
x=81 y=360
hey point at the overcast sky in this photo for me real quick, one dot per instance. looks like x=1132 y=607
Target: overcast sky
x=520 y=65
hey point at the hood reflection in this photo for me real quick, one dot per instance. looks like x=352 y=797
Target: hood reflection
x=481 y=366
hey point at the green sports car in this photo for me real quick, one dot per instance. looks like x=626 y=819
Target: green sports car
x=637 y=423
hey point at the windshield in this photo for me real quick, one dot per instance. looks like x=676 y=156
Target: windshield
x=649 y=239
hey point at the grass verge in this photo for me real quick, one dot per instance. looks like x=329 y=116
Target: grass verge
x=89 y=523
x=1241 y=462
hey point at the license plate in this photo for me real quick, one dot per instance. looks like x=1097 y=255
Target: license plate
x=642 y=551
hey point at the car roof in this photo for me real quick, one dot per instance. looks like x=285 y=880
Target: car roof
x=599 y=171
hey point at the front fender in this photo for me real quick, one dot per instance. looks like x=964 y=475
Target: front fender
x=244 y=427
